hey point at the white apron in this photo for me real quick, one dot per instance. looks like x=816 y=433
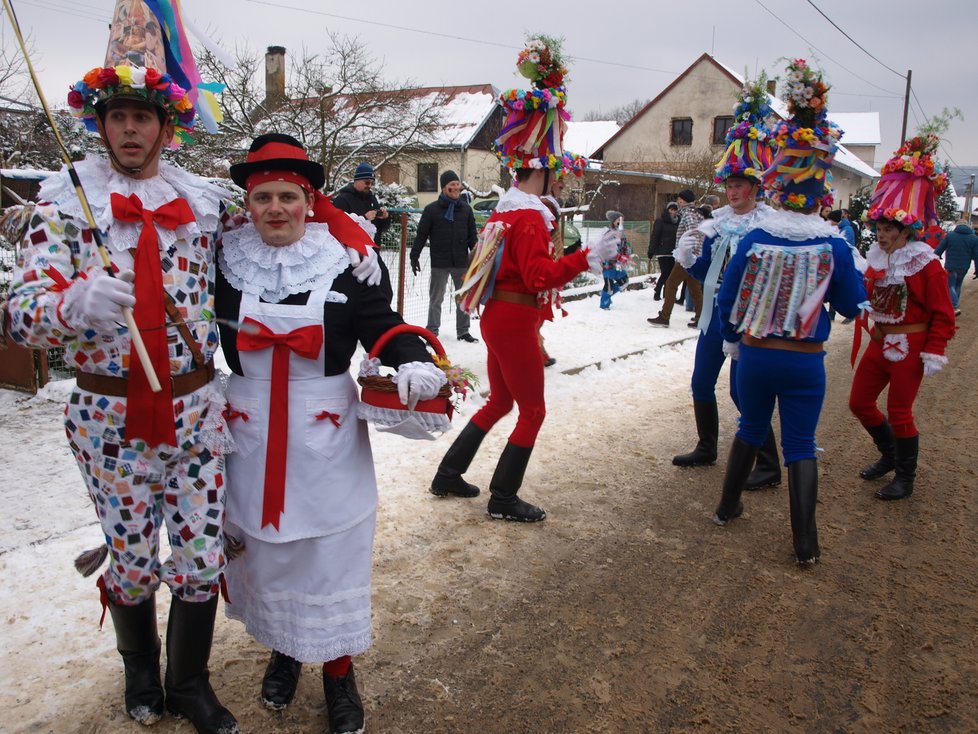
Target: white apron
x=302 y=589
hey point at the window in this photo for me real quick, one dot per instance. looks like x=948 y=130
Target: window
x=427 y=177
x=682 y=131
x=720 y=127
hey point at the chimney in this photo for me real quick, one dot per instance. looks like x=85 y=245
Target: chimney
x=274 y=76
x=772 y=84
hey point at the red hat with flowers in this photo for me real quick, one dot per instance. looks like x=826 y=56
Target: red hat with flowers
x=909 y=185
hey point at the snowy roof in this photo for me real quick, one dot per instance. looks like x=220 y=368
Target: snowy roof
x=586 y=137
x=860 y=128
x=462 y=111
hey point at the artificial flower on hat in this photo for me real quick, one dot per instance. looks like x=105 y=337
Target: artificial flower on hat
x=749 y=145
x=800 y=175
x=909 y=185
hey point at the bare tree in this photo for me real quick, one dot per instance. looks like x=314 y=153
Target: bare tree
x=337 y=103
x=621 y=114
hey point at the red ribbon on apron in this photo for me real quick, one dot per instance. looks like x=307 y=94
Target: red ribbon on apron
x=149 y=415
x=306 y=342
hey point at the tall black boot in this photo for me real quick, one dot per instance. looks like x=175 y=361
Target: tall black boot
x=139 y=644
x=883 y=438
x=707 y=428
x=448 y=479
x=802 y=496
x=906 y=470
x=739 y=463
x=189 y=634
x=506 y=482
x=767 y=471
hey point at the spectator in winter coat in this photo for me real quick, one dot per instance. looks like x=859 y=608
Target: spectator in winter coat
x=960 y=249
x=663 y=243
x=357 y=197
x=449 y=225
x=689 y=217
x=844 y=225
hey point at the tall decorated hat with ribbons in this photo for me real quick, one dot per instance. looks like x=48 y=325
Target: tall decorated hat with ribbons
x=571 y=164
x=909 y=185
x=749 y=149
x=536 y=118
x=800 y=176
x=149 y=59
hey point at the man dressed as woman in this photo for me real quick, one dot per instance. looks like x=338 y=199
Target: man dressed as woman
x=302 y=493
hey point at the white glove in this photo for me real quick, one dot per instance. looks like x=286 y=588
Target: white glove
x=366 y=269
x=933 y=363
x=731 y=349
x=418 y=381
x=96 y=302
x=604 y=249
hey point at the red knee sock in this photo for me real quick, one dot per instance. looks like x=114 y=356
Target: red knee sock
x=337 y=668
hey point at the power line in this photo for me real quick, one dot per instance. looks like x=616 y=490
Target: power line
x=857 y=44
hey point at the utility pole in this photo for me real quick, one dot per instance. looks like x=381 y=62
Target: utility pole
x=906 y=108
x=969 y=201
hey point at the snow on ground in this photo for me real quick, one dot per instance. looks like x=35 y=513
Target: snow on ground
x=51 y=640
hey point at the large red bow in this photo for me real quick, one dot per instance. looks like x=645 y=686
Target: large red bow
x=149 y=415
x=306 y=342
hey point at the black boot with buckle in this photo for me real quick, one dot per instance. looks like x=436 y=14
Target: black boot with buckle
x=139 y=644
x=884 y=439
x=448 y=479
x=281 y=678
x=506 y=482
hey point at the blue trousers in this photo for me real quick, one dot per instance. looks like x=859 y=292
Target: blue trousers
x=708 y=363
x=796 y=380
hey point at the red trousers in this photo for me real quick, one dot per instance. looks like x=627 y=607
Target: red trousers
x=510 y=331
x=874 y=372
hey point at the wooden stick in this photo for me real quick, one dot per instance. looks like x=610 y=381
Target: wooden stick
x=134 y=335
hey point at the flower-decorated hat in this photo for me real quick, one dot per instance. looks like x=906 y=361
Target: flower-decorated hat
x=536 y=119
x=909 y=186
x=571 y=163
x=148 y=59
x=749 y=146
x=800 y=177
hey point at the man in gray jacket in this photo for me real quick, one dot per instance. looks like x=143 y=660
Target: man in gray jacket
x=449 y=225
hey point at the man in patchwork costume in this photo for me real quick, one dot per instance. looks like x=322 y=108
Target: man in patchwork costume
x=150 y=459
x=771 y=310
x=522 y=274
x=911 y=309
x=748 y=155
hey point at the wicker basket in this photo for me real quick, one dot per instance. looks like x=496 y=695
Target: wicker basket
x=379 y=392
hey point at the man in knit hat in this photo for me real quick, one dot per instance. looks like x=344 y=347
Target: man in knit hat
x=358 y=197
x=449 y=225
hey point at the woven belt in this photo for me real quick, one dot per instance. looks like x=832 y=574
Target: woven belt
x=881 y=330
x=118 y=386
x=524 y=299
x=788 y=345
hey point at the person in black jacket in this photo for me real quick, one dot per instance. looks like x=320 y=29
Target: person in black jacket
x=663 y=243
x=357 y=197
x=449 y=225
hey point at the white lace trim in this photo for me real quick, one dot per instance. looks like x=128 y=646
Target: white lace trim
x=393 y=418
x=273 y=273
x=100 y=180
x=900 y=264
x=514 y=200
x=793 y=225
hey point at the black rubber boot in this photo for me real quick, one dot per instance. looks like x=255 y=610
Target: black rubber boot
x=883 y=438
x=707 y=428
x=139 y=644
x=506 y=482
x=767 y=471
x=448 y=479
x=901 y=486
x=343 y=705
x=802 y=496
x=281 y=678
x=189 y=634
x=739 y=463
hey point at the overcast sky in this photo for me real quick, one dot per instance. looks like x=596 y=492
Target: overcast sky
x=623 y=49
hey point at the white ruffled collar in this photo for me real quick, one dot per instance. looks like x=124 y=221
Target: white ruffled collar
x=100 y=180
x=514 y=200
x=274 y=273
x=908 y=260
x=726 y=221
x=793 y=225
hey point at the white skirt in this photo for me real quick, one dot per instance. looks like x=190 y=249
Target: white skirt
x=310 y=598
